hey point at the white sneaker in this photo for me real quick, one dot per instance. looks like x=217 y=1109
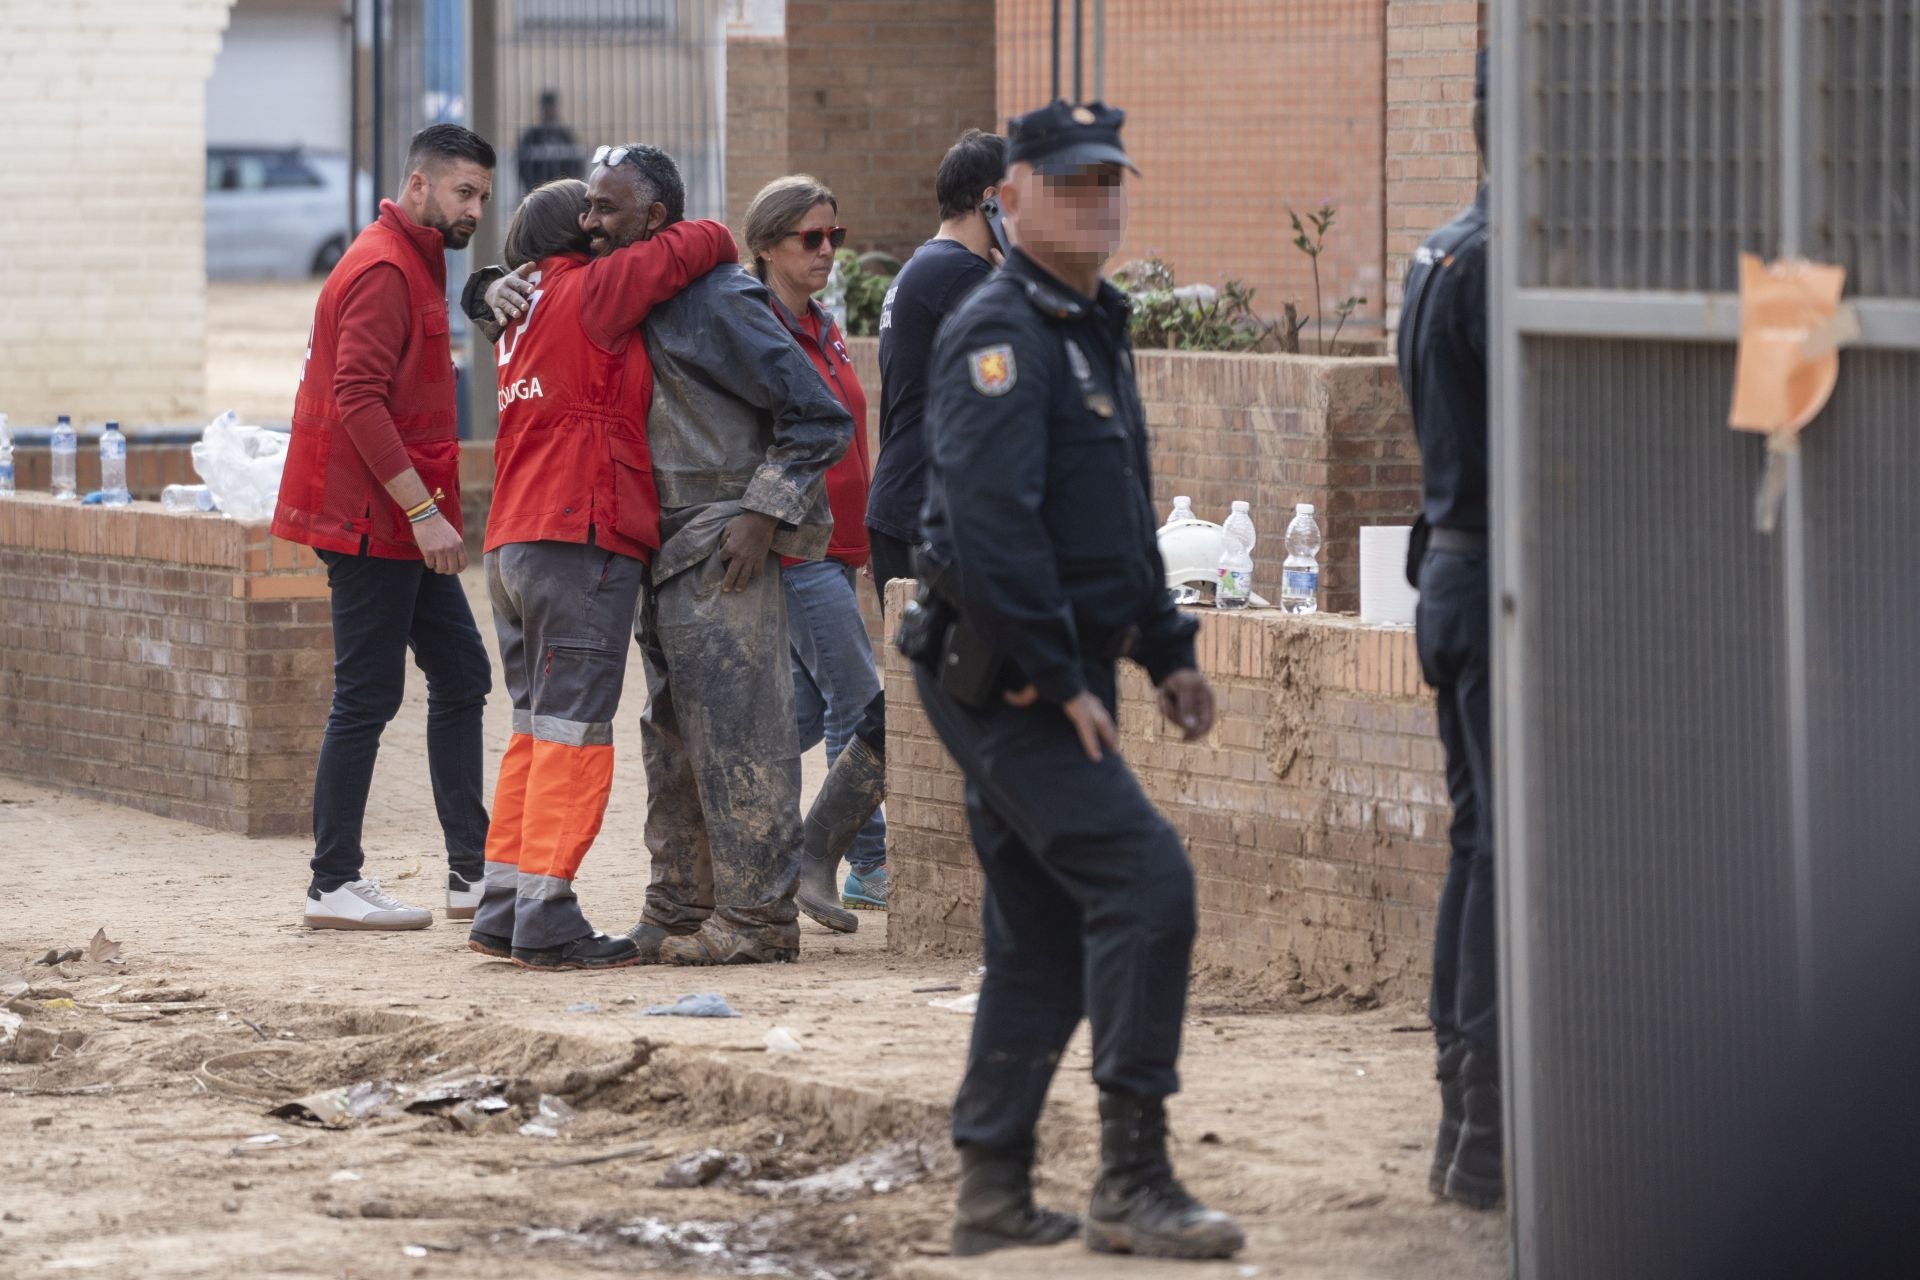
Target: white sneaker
x=362 y=904
x=463 y=897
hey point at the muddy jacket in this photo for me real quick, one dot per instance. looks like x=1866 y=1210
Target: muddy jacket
x=740 y=422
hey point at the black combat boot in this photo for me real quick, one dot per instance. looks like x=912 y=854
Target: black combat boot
x=1138 y=1206
x=1476 y=1178
x=995 y=1208
x=1453 y=1109
x=595 y=951
x=854 y=788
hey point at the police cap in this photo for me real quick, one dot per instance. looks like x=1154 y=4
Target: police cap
x=1061 y=137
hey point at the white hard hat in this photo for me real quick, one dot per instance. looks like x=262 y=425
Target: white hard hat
x=1192 y=551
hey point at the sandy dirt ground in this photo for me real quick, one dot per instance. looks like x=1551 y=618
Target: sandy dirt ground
x=144 y=1146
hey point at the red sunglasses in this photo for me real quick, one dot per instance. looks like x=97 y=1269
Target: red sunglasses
x=810 y=239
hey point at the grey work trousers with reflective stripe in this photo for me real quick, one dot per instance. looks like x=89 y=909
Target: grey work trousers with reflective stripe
x=562 y=612
x=721 y=750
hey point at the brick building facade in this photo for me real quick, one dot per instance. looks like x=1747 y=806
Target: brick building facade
x=102 y=179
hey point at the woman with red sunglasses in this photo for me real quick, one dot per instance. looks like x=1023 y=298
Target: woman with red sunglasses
x=791 y=233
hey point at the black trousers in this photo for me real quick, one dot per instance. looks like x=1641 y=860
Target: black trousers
x=889 y=558
x=1454 y=628
x=381 y=609
x=1089 y=912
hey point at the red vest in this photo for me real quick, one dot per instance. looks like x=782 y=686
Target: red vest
x=329 y=497
x=848 y=479
x=571 y=454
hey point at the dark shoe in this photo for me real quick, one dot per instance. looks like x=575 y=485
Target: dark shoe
x=1453 y=1110
x=1477 y=1176
x=648 y=937
x=995 y=1209
x=1138 y=1206
x=854 y=788
x=720 y=941
x=497 y=945
x=595 y=951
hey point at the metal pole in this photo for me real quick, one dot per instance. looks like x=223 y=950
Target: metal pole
x=353 y=117
x=1099 y=50
x=1076 y=51
x=1053 y=91
x=378 y=107
x=483 y=117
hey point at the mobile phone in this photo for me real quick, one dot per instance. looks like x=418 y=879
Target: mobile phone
x=991 y=208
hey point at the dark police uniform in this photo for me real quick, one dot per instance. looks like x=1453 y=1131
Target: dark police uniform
x=1039 y=532
x=1443 y=368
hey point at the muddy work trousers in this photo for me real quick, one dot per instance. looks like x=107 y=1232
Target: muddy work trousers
x=562 y=611
x=721 y=750
x=1089 y=912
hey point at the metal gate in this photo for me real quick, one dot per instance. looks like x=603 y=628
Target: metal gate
x=1707 y=736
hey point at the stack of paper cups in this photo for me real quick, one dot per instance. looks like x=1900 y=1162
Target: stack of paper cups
x=1385 y=597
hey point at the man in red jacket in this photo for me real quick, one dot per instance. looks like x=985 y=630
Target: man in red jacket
x=372 y=485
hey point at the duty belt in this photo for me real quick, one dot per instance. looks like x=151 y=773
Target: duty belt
x=1465 y=541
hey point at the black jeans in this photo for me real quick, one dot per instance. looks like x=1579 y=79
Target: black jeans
x=381 y=609
x=1089 y=911
x=1455 y=633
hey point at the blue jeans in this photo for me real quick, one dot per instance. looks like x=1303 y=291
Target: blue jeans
x=833 y=675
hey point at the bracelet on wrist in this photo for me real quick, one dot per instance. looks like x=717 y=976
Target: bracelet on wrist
x=418 y=507
x=423 y=513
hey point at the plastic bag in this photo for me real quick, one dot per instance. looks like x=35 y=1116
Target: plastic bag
x=241 y=466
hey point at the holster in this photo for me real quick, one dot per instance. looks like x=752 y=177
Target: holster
x=934 y=634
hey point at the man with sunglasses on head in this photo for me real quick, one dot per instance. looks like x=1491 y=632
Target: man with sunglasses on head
x=1038 y=572
x=742 y=431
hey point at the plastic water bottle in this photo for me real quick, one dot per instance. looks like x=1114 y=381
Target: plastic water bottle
x=1233 y=589
x=833 y=296
x=182 y=498
x=6 y=459
x=1300 y=576
x=113 y=467
x=1182 y=512
x=63 y=458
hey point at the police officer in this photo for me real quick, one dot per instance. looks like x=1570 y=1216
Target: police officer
x=1038 y=572
x=1443 y=367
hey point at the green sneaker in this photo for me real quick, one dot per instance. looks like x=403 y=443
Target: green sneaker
x=865 y=892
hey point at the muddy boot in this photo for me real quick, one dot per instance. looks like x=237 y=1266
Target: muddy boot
x=995 y=1209
x=1453 y=1109
x=497 y=945
x=719 y=941
x=1476 y=1177
x=854 y=788
x=648 y=937
x=1138 y=1206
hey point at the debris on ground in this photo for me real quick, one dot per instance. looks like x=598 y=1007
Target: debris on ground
x=708 y=1004
x=968 y=1003
x=877 y=1173
x=57 y=956
x=550 y=1116
x=705 y=1168
x=780 y=1040
x=101 y=949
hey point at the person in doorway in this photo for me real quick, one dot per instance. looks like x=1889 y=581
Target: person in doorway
x=791 y=235
x=548 y=151
x=1038 y=572
x=574 y=520
x=1443 y=368
x=741 y=433
x=372 y=485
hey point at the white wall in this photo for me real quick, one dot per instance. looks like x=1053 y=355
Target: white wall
x=283 y=76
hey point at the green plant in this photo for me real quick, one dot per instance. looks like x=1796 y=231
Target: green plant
x=1313 y=243
x=866 y=291
x=1189 y=317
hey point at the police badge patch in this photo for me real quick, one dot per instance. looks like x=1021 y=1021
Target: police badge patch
x=992 y=370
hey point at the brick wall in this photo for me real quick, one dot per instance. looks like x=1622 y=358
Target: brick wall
x=105 y=106
x=1315 y=814
x=875 y=91
x=176 y=664
x=1432 y=165
x=1236 y=109
x=1273 y=430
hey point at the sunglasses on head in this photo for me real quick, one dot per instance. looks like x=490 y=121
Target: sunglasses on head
x=811 y=238
x=611 y=156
